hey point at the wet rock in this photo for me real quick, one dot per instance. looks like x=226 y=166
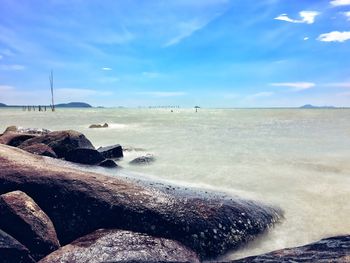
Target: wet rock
x=114 y=151
x=84 y=156
x=79 y=202
x=147 y=159
x=99 y=125
x=121 y=246
x=23 y=219
x=40 y=149
x=14 y=138
x=61 y=142
x=334 y=249
x=108 y=164
x=11 y=251
x=35 y=131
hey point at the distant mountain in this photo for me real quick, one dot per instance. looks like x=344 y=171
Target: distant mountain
x=73 y=105
x=309 y=106
x=3 y=105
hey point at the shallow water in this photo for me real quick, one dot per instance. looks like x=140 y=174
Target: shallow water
x=296 y=159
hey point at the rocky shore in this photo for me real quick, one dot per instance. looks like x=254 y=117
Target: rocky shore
x=51 y=212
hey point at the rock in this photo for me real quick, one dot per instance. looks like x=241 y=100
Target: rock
x=79 y=202
x=99 y=125
x=121 y=246
x=35 y=131
x=147 y=159
x=40 y=149
x=114 y=151
x=334 y=249
x=23 y=219
x=108 y=164
x=84 y=156
x=15 y=138
x=11 y=251
x=61 y=142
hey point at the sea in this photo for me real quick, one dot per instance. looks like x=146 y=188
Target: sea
x=296 y=159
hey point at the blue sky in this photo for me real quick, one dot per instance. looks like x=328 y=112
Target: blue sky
x=212 y=53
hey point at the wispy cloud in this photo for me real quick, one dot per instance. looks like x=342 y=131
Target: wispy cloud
x=347 y=14
x=335 y=36
x=296 y=86
x=5 y=88
x=151 y=75
x=106 y=69
x=307 y=17
x=340 y=2
x=306 y=38
x=338 y=84
x=262 y=94
x=12 y=67
x=163 y=93
x=1 y=56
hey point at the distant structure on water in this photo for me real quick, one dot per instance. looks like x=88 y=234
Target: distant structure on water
x=51 y=87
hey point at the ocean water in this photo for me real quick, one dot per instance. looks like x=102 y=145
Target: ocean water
x=296 y=159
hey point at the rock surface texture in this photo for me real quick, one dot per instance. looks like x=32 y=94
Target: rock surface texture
x=114 y=151
x=23 y=219
x=84 y=156
x=334 y=249
x=40 y=149
x=121 y=246
x=11 y=251
x=142 y=160
x=61 y=142
x=79 y=202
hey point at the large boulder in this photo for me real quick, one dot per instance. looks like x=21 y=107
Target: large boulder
x=12 y=251
x=23 y=219
x=108 y=164
x=114 y=151
x=15 y=138
x=79 y=202
x=334 y=249
x=40 y=149
x=121 y=246
x=61 y=141
x=84 y=156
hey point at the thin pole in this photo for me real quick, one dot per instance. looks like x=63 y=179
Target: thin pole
x=51 y=86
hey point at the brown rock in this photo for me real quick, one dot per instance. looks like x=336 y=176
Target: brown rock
x=40 y=149
x=334 y=249
x=121 y=246
x=61 y=142
x=14 y=138
x=98 y=126
x=11 y=251
x=79 y=202
x=23 y=219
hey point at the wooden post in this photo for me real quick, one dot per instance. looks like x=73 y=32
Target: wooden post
x=51 y=86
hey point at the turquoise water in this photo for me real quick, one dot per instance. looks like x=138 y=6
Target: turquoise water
x=296 y=159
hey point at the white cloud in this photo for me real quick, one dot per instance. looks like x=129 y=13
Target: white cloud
x=162 y=94
x=262 y=94
x=106 y=68
x=347 y=14
x=306 y=38
x=335 y=36
x=296 y=86
x=340 y=2
x=5 y=88
x=307 y=17
x=151 y=75
x=1 y=56
x=338 y=84
x=12 y=67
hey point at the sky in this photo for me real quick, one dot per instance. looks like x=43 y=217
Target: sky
x=211 y=53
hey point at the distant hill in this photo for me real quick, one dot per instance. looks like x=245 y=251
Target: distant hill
x=73 y=105
x=309 y=106
x=3 y=105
